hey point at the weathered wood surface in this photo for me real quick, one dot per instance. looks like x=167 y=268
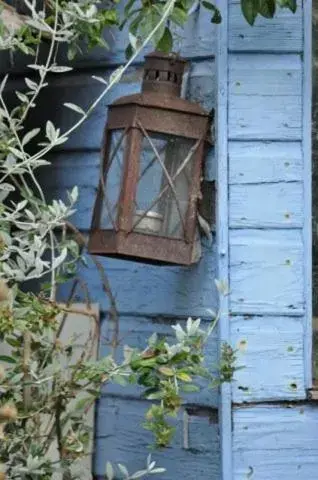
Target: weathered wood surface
x=264 y=162
x=222 y=227
x=315 y=161
x=283 y=207
x=267 y=286
x=275 y=442
x=267 y=202
x=282 y=34
x=266 y=272
x=270 y=351
x=280 y=75
x=265 y=97
x=277 y=118
x=120 y=438
x=149 y=290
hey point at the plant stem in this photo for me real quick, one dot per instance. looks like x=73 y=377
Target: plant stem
x=115 y=79
x=26 y=377
x=46 y=67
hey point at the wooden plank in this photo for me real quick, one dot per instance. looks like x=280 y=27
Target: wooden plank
x=289 y=464
x=265 y=99
x=222 y=214
x=121 y=438
x=270 y=205
x=274 y=342
x=281 y=75
x=257 y=117
x=284 y=33
x=275 y=442
x=307 y=151
x=149 y=290
x=266 y=272
x=135 y=331
x=265 y=162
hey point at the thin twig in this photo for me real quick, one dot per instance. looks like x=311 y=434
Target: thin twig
x=113 y=313
x=115 y=79
x=26 y=374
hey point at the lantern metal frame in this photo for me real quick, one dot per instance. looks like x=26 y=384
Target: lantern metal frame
x=156 y=110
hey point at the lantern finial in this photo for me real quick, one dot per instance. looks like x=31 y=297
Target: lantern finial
x=163 y=73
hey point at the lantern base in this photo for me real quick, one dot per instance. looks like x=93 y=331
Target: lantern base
x=139 y=247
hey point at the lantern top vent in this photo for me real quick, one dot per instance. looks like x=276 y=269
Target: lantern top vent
x=163 y=73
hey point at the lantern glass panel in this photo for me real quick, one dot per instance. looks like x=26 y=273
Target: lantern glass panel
x=112 y=179
x=165 y=170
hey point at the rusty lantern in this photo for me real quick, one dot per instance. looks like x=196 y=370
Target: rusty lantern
x=146 y=207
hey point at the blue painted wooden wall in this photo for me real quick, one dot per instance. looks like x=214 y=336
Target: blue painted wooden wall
x=259 y=79
x=267 y=108
x=148 y=298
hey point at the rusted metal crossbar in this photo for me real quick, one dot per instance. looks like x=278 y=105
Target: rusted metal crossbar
x=165 y=171
x=104 y=170
x=177 y=173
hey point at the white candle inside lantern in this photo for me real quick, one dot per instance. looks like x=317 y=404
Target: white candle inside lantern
x=150 y=222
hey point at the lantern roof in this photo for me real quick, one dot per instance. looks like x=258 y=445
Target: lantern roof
x=161 y=85
x=163 y=101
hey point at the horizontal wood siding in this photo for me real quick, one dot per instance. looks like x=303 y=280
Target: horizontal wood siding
x=265 y=162
x=270 y=351
x=282 y=34
x=167 y=291
x=266 y=272
x=269 y=177
x=261 y=108
x=149 y=299
x=120 y=437
x=283 y=208
x=275 y=442
x=266 y=206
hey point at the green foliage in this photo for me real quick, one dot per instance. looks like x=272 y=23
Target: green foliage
x=156 y=422
x=265 y=8
x=88 y=26
x=227 y=365
x=142 y=17
x=86 y=21
x=47 y=392
x=168 y=372
x=63 y=387
x=150 y=469
x=49 y=399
